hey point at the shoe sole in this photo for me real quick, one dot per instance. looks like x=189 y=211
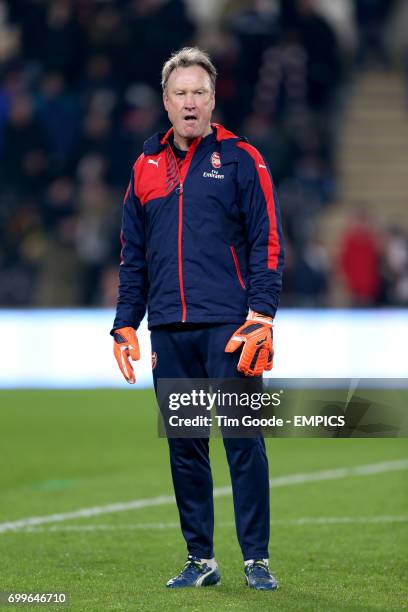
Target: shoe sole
x=212 y=584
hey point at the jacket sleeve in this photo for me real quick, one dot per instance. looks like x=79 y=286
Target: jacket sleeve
x=259 y=205
x=132 y=295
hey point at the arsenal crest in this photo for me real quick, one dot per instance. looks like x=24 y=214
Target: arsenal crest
x=215 y=160
x=154 y=360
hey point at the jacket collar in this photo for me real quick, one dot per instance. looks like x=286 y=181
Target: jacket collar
x=156 y=143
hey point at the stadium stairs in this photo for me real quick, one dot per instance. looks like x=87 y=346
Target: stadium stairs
x=372 y=160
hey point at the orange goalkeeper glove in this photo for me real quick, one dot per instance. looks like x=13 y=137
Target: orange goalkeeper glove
x=257 y=350
x=125 y=345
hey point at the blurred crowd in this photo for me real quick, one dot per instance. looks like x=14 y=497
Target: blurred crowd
x=80 y=92
x=370 y=267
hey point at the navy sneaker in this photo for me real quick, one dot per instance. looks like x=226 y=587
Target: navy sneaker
x=259 y=577
x=195 y=573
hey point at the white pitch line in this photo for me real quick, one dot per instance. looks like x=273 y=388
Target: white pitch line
x=319 y=520
x=290 y=479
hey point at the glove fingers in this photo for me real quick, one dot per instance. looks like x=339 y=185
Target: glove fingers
x=269 y=363
x=233 y=343
x=127 y=368
x=126 y=346
x=249 y=356
x=134 y=349
x=262 y=362
x=253 y=362
x=258 y=363
x=122 y=359
x=257 y=351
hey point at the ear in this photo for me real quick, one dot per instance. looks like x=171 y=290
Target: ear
x=213 y=101
x=165 y=100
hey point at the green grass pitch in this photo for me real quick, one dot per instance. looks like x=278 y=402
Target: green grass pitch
x=336 y=544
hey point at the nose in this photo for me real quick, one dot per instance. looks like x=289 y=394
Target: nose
x=189 y=101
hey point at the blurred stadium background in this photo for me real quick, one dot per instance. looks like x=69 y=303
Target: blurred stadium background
x=321 y=87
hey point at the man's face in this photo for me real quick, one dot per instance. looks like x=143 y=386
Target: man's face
x=189 y=101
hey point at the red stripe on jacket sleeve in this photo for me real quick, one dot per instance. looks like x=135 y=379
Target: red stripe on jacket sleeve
x=137 y=169
x=127 y=193
x=267 y=190
x=122 y=244
x=122 y=238
x=136 y=166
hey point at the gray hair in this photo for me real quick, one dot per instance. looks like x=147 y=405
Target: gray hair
x=188 y=56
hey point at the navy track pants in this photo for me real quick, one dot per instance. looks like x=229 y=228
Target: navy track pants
x=198 y=352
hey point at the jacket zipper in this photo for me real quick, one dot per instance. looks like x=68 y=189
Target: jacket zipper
x=179 y=190
x=184 y=169
x=237 y=268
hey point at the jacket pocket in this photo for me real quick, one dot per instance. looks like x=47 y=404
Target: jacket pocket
x=237 y=268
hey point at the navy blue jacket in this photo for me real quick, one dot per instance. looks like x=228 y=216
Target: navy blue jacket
x=201 y=243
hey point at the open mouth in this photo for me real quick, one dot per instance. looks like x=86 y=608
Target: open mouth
x=190 y=118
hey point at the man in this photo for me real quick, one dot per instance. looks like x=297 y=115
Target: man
x=202 y=248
